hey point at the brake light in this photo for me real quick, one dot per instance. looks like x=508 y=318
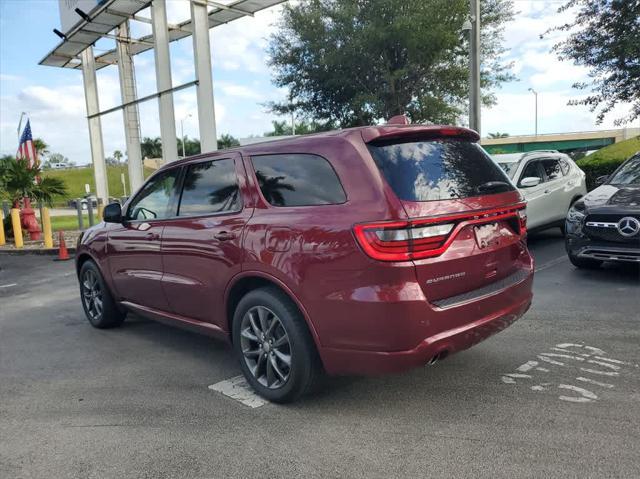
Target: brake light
x=522 y=220
x=450 y=131
x=426 y=237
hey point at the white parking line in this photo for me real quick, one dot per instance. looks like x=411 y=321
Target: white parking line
x=237 y=388
x=8 y=285
x=553 y=262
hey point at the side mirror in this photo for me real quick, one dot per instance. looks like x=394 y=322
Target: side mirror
x=601 y=180
x=529 y=182
x=112 y=213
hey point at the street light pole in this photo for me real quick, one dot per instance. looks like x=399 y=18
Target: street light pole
x=536 y=100
x=474 y=66
x=182 y=132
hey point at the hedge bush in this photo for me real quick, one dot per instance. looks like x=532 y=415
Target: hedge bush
x=606 y=160
x=596 y=168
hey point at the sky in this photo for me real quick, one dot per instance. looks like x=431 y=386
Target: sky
x=54 y=98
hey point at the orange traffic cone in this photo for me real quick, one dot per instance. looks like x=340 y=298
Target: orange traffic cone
x=63 y=254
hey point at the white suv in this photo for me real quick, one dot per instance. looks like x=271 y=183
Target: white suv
x=550 y=182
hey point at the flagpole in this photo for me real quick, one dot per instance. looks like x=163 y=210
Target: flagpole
x=22 y=115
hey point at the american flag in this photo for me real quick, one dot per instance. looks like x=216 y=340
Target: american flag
x=27 y=150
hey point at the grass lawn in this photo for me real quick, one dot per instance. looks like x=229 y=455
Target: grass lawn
x=69 y=223
x=76 y=178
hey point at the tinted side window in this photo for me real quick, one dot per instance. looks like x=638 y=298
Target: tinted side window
x=297 y=180
x=552 y=169
x=210 y=187
x=532 y=170
x=154 y=200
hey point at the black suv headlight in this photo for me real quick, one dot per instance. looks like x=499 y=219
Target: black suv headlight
x=577 y=212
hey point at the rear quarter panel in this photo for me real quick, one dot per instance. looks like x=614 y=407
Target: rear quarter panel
x=312 y=249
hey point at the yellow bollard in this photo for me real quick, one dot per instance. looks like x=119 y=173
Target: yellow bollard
x=46 y=228
x=17 y=227
x=2 y=238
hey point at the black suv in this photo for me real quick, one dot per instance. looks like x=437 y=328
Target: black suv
x=605 y=224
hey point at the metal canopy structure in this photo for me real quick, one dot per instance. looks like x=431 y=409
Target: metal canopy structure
x=110 y=19
x=113 y=13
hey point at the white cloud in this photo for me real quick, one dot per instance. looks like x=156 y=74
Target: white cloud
x=515 y=114
x=239 y=91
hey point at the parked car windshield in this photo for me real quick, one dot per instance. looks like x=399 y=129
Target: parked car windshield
x=629 y=174
x=438 y=169
x=509 y=168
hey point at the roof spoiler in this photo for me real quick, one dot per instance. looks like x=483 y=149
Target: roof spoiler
x=391 y=131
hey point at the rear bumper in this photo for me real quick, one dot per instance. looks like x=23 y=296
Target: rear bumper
x=470 y=323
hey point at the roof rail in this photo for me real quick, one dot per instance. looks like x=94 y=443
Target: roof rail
x=539 y=151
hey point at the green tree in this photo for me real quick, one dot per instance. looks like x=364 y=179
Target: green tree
x=303 y=127
x=354 y=62
x=20 y=181
x=42 y=149
x=227 y=141
x=191 y=146
x=498 y=135
x=604 y=36
x=151 y=147
x=56 y=158
x=117 y=156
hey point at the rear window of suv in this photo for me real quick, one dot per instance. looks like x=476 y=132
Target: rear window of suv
x=441 y=169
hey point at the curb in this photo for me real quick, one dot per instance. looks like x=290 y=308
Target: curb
x=40 y=252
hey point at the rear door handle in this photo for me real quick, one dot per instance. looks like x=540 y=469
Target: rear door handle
x=152 y=236
x=546 y=191
x=224 y=236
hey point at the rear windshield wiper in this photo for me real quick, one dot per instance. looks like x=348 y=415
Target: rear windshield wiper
x=492 y=185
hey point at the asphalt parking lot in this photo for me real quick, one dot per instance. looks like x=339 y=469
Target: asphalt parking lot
x=556 y=394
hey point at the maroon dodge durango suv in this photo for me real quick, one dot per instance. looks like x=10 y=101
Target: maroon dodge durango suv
x=362 y=251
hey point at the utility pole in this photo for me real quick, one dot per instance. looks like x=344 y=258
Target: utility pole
x=536 y=100
x=474 y=66
x=182 y=132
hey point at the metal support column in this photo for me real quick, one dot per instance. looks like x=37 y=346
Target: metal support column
x=163 y=80
x=130 y=112
x=474 y=67
x=95 y=126
x=202 y=58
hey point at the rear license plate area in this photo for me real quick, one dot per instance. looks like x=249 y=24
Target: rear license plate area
x=487 y=235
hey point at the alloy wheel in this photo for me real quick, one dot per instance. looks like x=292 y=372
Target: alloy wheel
x=265 y=347
x=92 y=295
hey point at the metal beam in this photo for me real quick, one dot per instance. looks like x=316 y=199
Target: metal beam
x=95 y=126
x=128 y=94
x=222 y=6
x=163 y=80
x=202 y=59
x=145 y=98
x=146 y=20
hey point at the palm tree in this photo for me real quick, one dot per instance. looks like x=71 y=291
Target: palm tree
x=41 y=147
x=151 y=147
x=117 y=155
x=498 y=135
x=20 y=181
x=272 y=188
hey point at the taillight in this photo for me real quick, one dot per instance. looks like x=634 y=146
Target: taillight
x=426 y=237
x=522 y=219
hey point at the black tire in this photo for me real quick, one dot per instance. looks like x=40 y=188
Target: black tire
x=563 y=229
x=304 y=364
x=584 y=263
x=93 y=289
